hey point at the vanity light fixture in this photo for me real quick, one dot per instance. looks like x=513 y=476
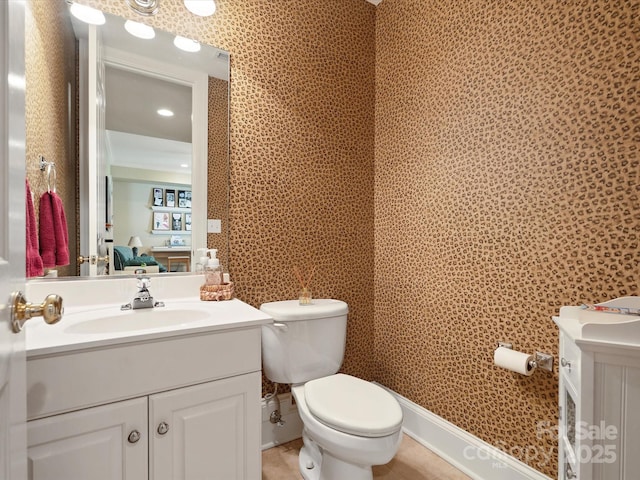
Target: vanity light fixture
x=139 y=30
x=186 y=44
x=87 y=14
x=202 y=8
x=165 y=112
x=147 y=8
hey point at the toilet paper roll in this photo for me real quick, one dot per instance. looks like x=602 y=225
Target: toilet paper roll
x=512 y=360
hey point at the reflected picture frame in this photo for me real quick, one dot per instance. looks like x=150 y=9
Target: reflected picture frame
x=158 y=197
x=161 y=221
x=170 y=197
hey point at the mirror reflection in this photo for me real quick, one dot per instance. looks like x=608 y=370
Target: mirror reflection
x=138 y=132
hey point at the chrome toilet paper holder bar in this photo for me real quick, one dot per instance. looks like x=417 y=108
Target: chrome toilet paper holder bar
x=540 y=360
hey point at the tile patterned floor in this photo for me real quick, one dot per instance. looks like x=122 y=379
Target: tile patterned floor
x=412 y=462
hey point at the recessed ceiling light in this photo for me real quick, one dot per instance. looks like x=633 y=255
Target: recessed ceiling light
x=139 y=30
x=202 y=8
x=87 y=14
x=186 y=44
x=165 y=112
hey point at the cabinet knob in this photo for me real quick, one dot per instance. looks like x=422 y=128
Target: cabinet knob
x=565 y=363
x=163 y=428
x=134 y=436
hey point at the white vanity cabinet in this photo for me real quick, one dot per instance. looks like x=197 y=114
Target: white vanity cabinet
x=599 y=396
x=202 y=432
x=91 y=443
x=166 y=408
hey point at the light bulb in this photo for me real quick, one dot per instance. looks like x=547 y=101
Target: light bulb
x=202 y=8
x=139 y=30
x=87 y=14
x=186 y=44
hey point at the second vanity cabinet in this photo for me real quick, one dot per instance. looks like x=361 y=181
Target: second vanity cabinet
x=599 y=393
x=183 y=407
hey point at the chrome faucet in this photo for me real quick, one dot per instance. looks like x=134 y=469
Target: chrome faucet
x=143 y=298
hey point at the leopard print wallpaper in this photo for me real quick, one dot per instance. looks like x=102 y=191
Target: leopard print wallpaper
x=49 y=111
x=218 y=165
x=496 y=142
x=506 y=186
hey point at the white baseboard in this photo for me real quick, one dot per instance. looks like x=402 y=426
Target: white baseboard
x=469 y=454
x=273 y=434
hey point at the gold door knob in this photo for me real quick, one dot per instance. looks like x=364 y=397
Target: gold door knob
x=21 y=311
x=93 y=259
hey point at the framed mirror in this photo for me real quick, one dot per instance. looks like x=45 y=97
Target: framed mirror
x=140 y=141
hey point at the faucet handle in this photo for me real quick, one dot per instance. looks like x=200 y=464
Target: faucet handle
x=144 y=282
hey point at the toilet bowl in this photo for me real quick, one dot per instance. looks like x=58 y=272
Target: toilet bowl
x=355 y=430
x=349 y=424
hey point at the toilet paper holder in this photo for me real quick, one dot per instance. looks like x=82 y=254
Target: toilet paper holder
x=540 y=360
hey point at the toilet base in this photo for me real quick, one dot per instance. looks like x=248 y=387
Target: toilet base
x=315 y=465
x=309 y=458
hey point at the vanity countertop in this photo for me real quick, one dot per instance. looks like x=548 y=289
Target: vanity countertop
x=85 y=327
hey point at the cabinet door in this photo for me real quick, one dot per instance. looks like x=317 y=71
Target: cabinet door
x=95 y=443
x=209 y=431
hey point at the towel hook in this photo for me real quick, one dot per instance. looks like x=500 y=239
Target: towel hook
x=51 y=173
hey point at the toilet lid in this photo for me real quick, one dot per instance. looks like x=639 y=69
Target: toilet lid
x=352 y=405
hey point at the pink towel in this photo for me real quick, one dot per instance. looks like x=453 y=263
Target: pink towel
x=54 y=238
x=33 y=259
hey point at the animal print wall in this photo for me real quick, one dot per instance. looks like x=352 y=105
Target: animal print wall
x=507 y=184
x=49 y=111
x=218 y=165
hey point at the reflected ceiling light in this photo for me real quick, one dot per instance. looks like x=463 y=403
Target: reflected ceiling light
x=202 y=8
x=186 y=44
x=184 y=165
x=87 y=14
x=139 y=30
x=165 y=112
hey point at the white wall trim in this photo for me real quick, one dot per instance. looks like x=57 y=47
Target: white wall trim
x=469 y=454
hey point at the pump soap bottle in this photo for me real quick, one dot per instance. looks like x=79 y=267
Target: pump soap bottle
x=216 y=283
x=213 y=272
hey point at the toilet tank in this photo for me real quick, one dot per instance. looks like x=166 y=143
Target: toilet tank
x=305 y=341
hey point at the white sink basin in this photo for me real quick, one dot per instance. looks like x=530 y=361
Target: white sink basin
x=105 y=324
x=105 y=321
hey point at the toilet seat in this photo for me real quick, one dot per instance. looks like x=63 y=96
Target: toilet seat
x=353 y=406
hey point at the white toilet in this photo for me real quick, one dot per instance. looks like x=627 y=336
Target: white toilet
x=349 y=424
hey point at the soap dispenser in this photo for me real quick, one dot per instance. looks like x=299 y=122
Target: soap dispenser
x=213 y=271
x=216 y=283
x=201 y=259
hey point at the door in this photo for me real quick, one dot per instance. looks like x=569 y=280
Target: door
x=93 y=170
x=207 y=431
x=109 y=442
x=12 y=239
